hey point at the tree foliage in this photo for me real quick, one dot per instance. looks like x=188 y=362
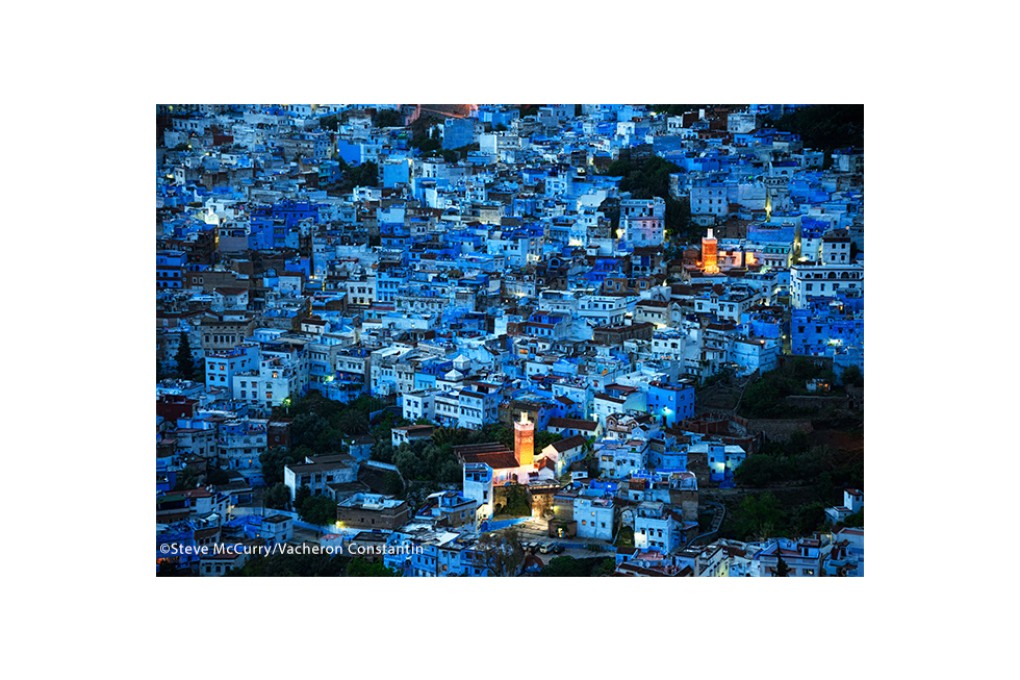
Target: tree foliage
x=185 y=359
x=422 y=137
x=855 y=520
x=809 y=479
x=852 y=376
x=625 y=539
x=294 y=564
x=359 y=566
x=275 y=458
x=503 y=552
x=572 y=566
x=387 y=118
x=764 y=398
x=518 y=503
x=647 y=178
x=318 y=509
x=760 y=516
x=826 y=126
x=826 y=469
x=277 y=497
x=319 y=426
x=189 y=478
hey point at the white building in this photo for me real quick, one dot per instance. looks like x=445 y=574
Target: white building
x=478 y=486
x=603 y=310
x=280 y=376
x=709 y=199
x=836 y=274
x=621 y=459
x=418 y=405
x=319 y=472
x=729 y=305
x=657 y=527
x=754 y=354
x=643 y=221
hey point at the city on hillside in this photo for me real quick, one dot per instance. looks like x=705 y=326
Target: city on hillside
x=510 y=340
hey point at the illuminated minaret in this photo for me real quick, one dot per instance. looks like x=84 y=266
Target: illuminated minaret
x=709 y=254
x=524 y=440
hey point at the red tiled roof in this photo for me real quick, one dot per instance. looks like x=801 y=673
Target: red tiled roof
x=497 y=460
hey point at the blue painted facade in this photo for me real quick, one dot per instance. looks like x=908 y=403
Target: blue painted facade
x=827 y=325
x=671 y=403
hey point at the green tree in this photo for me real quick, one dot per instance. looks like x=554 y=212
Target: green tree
x=647 y=178
x=586 y=566
x=387 y=118
x=364 y=175
x=503 y=552
x=161 y=373
x=318 y=509
x=782 y=568
x=763 y=398
x=352 y=422
x=855 y=520
x=294 y=564
x=826 y=126
x=185 y=359
x=517 y=502
x=762 y=470
x=392 y=484
x=605 y=566
x=383 y=451
x=809 y=518
x=759 y=516
x=409 y=463
x=852 y=376
x=544 y=439
x=277 y=497
x=189 y=478
x=275 y=458
x=217 y=476
x=315 y=432
x=302 y=494
x=797 y=443
x=625 y=539
x=359 y=566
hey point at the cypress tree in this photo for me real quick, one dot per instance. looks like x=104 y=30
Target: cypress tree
x=185 y=361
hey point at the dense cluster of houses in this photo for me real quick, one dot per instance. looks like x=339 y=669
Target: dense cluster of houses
x=505 y=278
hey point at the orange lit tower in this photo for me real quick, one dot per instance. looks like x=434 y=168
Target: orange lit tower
x=524 y=441
x=709 y=254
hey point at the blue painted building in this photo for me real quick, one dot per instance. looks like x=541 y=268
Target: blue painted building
x=671 y=403
x=458 y=132
x=826 y=326
x=170 y=267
